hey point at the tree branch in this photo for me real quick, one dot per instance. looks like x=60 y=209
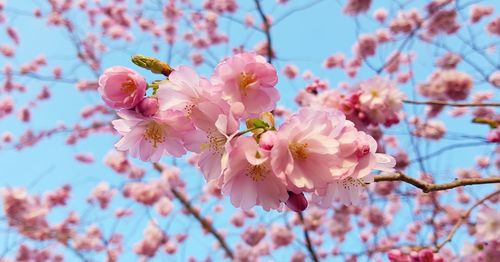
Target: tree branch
x=445 y=103
x=429 y=187
x=267 y=31
x=463 y=219
x=204 y=223
x=309 y=245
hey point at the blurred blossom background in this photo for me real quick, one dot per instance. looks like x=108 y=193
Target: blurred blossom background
x=56 y=138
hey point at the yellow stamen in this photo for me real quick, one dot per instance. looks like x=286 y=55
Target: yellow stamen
x=154 y=133
x=299 y=151
x=352 y=182
x=257 y=173
x=215 y=143
x=246 y=80
x=128 y=87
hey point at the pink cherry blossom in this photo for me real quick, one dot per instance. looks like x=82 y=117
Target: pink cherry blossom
x=306 y=147
x=381 y=101
x=447 y=84
x=477 y=12
x=149 y=138
x=248 y=79
x=355 y=7
x=121 y=87
x=249 y=179
x=488 y=224
x=495 y=78
x=210 y=140
x=380 y=14
x=193 y=95
x=290 y=71
x=493 y=27
x=353 y=169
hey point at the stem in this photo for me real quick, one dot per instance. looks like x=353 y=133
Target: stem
x=267 y=31
x=248 y=130
x=309 y=245
x=429 y=187
x=444 y=103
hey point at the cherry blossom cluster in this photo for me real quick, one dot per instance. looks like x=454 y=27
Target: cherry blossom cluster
x=373 y=102
x=315 y=150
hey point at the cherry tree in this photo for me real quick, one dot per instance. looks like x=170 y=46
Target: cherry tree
x=250 y=130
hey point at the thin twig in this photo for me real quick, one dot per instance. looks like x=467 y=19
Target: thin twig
x=463 y=219
x=309 y=245
x=204 y=223
x=429 y=187
x=445 y=103
x=267 y=31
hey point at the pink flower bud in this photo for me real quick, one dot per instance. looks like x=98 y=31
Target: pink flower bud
x=267 y=140
x=426 y=255
x=121 y=87
x=494 y=135
x=148 y=106
x=296 y=202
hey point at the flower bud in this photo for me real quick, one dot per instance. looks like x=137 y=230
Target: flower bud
x=267 y=140
x=121 y=87
x=148 y=106
x=152 y=64
x=296 y=202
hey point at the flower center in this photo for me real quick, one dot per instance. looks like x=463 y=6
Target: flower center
x=299 y=151
x=256 y=173
x=128 y=87
x=189 y=109
x=362 y=150
x=245 y=80
x=216 y=142
x=154 y=133
x=350 y=183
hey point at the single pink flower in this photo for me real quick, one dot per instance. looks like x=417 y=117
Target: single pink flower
x=193 y=95
x=357 y=155
x=381 y=101
x=148 y=138
x=210 y=140
x=356 y=159
x=356 y=7
x=248 y=79
x=306 y=148
x=249 y=179
x=494 y=78
x=488 y=224
x=121 y=87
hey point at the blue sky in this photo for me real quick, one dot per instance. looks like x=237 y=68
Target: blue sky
x=304 y=38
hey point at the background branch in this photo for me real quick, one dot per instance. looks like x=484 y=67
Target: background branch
x=196 y=214
x=463 y=219
x=429 y=187
x=309 y=245
x=445 y=103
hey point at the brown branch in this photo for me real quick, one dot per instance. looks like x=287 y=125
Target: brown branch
x=429 y=187
x=444 y=103
x=204 y=223
x=463 y=219
x=308 y=239
x=267 y=31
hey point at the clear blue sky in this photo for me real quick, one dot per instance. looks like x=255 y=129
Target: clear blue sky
x=304 y=38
